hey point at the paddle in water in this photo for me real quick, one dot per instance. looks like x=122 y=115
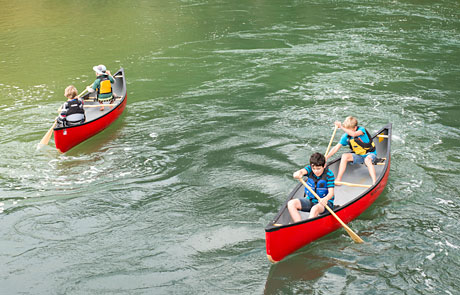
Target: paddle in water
x=351 y=233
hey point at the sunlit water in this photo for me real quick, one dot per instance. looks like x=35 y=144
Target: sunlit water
x=225 y=101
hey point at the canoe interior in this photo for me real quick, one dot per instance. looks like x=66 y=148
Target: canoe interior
x=93 y=113
x=357 y=174
x=66 y=137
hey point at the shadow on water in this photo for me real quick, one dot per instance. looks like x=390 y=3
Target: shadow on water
x=295 y=268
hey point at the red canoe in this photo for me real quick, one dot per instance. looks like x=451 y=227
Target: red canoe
x=282 y=237
x=66 y=138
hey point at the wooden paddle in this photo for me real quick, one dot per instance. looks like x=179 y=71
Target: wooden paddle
x=351 y=233
x=330 y=142
x=48 y=134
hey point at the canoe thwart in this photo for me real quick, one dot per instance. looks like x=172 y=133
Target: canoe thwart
x=95 y=99
x=351 y=184
x=99 y=105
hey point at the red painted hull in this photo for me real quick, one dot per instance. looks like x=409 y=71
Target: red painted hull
x=286 y=239
x=67 y=138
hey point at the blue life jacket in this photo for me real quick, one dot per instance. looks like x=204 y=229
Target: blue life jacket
x=319 y=186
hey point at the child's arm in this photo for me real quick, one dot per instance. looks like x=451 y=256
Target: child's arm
x=299 y=173
x=93 y=87
x=329 y=196
x=350 y=132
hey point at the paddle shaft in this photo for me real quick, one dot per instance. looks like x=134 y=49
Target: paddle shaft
x=330 y=142
x=351 y=233
x=86 y=90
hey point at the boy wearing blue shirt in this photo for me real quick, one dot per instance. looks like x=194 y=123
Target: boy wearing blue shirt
x=362 y=147
x=321 y=180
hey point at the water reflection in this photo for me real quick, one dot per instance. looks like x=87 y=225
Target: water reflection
x=296 y=268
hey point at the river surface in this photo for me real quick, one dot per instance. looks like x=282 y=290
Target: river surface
x=225 y=100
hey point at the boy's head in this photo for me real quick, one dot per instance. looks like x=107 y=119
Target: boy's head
x=350 y=122
x=100 y=69
x=70 y=92
x=317 y=163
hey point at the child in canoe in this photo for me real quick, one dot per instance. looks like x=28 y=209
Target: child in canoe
x=321 y=180
x=360 y=142
x=103 y=85
x=72 y=112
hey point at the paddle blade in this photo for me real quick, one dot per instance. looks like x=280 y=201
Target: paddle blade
x=271 y=259
x=47 y=137
x=354 y=236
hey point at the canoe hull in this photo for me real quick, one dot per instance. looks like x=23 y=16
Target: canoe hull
x=282 y=240
x=66 y=138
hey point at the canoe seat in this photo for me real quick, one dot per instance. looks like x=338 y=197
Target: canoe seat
x=305 y=215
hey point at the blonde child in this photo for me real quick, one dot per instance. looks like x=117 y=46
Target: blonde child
x=361 y=145
x=72 y=112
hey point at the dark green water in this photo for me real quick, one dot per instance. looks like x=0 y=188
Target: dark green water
x=225 y=100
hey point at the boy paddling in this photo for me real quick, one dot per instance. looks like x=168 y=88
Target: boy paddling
x=362 y=147
x=321 y=180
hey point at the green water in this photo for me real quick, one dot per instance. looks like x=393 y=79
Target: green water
x=225 y=100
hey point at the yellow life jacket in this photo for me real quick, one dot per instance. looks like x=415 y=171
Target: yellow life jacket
x=359 y=147
x=105 y=87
